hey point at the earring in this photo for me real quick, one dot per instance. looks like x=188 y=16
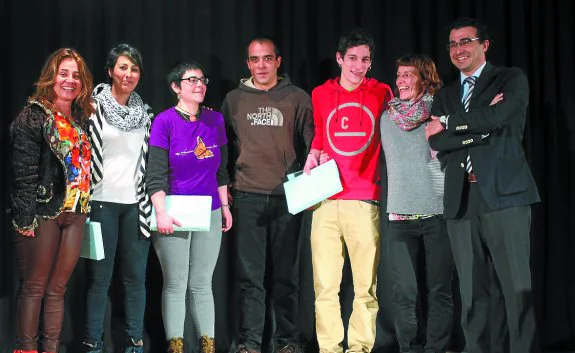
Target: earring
x=369 y=68
x=339 y=66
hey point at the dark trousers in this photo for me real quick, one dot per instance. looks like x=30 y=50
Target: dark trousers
x=264 y=227
x=499 y=332
x=479 y=236
x=46 y=263
x=405 y=240
x=120 y=234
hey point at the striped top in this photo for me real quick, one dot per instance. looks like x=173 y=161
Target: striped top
x=97 y=171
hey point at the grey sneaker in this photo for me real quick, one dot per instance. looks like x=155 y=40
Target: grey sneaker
x=243 y=349
x=91 y=346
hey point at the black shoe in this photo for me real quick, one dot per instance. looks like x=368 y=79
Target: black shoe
x=289 y=348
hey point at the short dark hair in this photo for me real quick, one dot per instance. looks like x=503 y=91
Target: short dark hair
x=124 y=50
x=179 y=69
x=482 y=29
x=426 y=71
x=356 y=38
x=263 y=39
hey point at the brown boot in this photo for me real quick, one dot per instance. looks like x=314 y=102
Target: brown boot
x=176 y=345
x=207 y=344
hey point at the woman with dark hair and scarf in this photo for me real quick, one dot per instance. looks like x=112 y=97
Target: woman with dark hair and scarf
x=49 y=196
x=119 y=131
x=415 y=208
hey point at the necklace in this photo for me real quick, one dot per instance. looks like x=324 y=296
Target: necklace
x=187 y=115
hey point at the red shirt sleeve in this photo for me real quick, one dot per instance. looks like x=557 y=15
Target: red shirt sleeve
x=318 y=139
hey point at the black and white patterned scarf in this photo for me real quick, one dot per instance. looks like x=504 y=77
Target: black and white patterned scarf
x=97 y=172
x=126 y=118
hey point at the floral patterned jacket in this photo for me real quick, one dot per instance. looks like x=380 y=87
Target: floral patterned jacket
x=39 y=176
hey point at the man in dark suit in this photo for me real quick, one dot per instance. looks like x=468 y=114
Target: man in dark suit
x=478 y=127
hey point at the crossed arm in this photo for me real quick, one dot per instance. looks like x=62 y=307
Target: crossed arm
x=443 y=140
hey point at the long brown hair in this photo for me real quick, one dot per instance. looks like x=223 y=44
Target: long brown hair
x=82 y=106
x=426 y=71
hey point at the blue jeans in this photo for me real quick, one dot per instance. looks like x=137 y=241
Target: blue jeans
x=120 y=232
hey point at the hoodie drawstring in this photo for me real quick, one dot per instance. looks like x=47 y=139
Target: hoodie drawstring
x=360 y=108
x=361 y=98
x=337 y=107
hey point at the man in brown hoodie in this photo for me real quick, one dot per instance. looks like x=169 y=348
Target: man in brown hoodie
x=270 y=123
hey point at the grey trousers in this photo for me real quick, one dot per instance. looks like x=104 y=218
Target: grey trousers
x=188 y=260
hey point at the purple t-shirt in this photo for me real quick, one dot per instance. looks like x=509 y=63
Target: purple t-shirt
x=193 y=151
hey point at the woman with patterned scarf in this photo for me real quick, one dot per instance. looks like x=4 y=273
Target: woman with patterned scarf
x=415 y=208
x=119 y=132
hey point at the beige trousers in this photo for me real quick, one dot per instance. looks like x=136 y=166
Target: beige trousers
x=338 y=224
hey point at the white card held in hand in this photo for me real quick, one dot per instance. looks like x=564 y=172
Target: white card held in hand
x=193 y=212
x=304 y=191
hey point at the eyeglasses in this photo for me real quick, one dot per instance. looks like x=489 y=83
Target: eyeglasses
x=462 y=43
x=194 y=80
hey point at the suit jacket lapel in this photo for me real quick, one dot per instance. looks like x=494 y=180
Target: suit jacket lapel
x=454 y=97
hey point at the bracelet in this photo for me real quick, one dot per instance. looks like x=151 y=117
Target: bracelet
x=228 y=206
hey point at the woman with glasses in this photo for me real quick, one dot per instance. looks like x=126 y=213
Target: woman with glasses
x=188 y=156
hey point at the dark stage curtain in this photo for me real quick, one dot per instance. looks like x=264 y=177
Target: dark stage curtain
x=536 y=36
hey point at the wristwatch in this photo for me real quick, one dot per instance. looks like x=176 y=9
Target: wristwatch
x=443 y=120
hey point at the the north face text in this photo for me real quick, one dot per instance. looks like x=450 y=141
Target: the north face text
x=268 y=116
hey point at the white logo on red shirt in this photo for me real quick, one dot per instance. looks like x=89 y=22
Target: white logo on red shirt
x=348 y=137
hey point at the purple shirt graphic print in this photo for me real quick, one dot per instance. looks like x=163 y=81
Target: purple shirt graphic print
x=193 y=151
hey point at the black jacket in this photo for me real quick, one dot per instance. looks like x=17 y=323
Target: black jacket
x=503 y=175
x=38 y=184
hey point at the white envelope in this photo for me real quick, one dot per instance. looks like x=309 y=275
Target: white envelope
x=93 y=244
x=303 y=191
x=194 y=212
